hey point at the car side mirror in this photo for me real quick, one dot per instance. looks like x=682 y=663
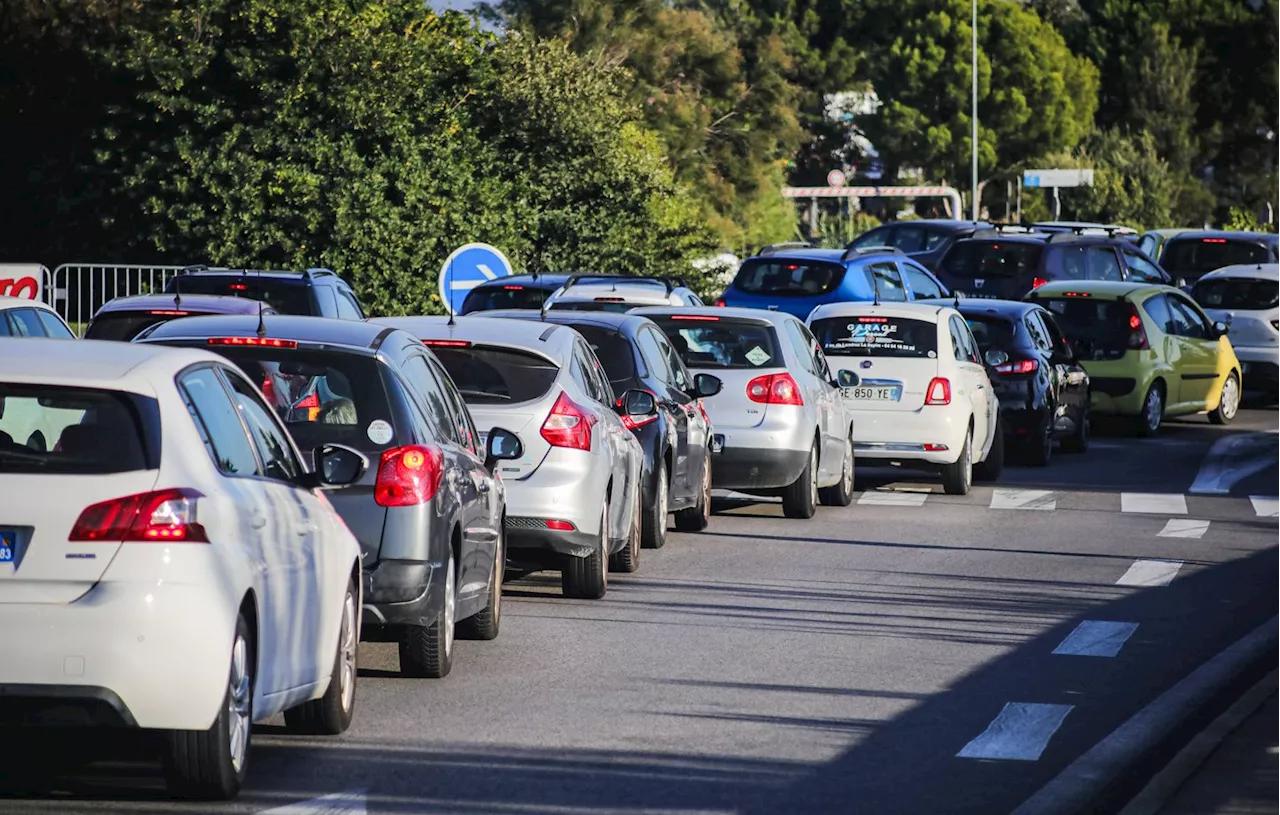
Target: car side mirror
x=705 y=385
x=637 y=403
x=501 y=445
x=846 y=378
x=336 y=465
x=1221 y=329
x=996 y=357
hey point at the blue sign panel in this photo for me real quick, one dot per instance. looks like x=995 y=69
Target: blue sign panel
x=467 y=267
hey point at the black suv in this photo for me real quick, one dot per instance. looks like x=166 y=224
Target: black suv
x=925 y=240
x=1006 y=265
x=313 y=293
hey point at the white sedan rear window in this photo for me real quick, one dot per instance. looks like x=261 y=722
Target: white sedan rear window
x=876 y=336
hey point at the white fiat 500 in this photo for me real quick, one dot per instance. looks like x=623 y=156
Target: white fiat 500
x=919 y=395
x=166 y=560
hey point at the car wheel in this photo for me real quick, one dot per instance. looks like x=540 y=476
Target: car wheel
x=957 y=477
x=627 y=559
x=654 y=531
x=800 y=499
x=1078 y=442
x=840 y=494
x=211 y=764
x=698 y=517
x=1148 y=421
x=1228 y=402
x=426 y=651
x=989 y=468
x=1039 y=448
x=485 y=625
x=587 y=578
x=331 y=714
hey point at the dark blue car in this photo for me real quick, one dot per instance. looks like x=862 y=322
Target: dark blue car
x=799 y=279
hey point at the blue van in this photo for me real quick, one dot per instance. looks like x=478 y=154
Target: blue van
x=797 y=278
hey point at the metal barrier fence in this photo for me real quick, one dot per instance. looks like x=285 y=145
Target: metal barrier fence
x=80 y=289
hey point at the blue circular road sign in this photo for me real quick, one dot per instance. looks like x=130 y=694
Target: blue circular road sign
x=467 y=267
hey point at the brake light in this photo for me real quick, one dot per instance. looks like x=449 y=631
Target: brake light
x=1213 y=240
x=873 y=319
x=408 y=475
x=568 y=425
x=1135 y=322
x=165 y=515
x=262 y=342
x=560 y=526
x=1137 y=334
x=513 y=288
x=1022 y=366
x=610 y=300
x=311 y=400
x=720 y=302
x=931 y=447
x=238 y=287
x=1076 y=294
x=1037 y=282
x=774 y=389
x=168 y=313
x=697 y=318
x=447 y=343
x=938 y=392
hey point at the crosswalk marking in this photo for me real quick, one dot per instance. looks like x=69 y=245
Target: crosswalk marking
x=1023 y=499
x=1184 y=528
x=1096 y=638
x=1265 y=506
x=1149 y=573
x=893 y=498
x=1154 y=502
x=1019 y=733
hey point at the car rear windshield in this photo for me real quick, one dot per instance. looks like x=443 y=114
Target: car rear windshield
x=716 y=342
x=491 y=298
x=123 y=326
x=975 y=259
x=991 y=332
x=286 y=296
x=1193 y=257
x=790 y=278
x=612 y=305
x=491 y=375
x=877 y=336
x=324 y=397
x=613 y=351
x=82 y=431
x=1097 y=329
x=1244 y=293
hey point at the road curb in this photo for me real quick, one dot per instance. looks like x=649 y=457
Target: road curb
x=1110 y=773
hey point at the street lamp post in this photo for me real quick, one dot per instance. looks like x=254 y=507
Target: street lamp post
x=974 y=113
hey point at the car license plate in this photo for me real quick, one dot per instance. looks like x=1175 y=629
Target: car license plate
x=8 y=544
x=717 y=442
x=880 y=393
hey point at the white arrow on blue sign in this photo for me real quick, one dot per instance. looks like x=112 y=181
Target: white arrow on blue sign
x=467 y=267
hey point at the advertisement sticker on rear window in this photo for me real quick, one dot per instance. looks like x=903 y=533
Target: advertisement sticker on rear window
x=758 y=356
x=380 y=432
x=875 y=336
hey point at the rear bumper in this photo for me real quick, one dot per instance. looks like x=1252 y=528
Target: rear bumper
x=1260 y=366
x=526 y=533
x=402 y=592
x=902 y=435
x=738 y=468
x=566 y=487
x=62 y=706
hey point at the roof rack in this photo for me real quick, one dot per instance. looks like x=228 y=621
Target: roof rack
x=778 y=247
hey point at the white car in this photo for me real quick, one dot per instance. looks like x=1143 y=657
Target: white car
x=166 y=560
x=1245 y=298
x=20 y=317
x=919 y=395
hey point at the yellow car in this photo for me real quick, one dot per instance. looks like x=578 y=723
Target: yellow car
x=1149 y=350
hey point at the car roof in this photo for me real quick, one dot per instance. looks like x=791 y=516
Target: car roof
x=934 y=312
x=948 y=223
x=214 y=303
x=1108 y=288
x=1200 y=234
x=303 y=276
x=775 y=318
x=7 y=302
x=624 y=322
x=550 y=338
x=1012 y=309
x=101 y=364
x=1257 y=271
x=800 y=253
x=547 y=281
x=1169 y=231
x=1118 y=228
x=352 y=334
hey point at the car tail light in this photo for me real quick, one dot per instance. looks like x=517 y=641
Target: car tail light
x=168 y=312
x=935 y=448
x=269 y=391
x=311 y=400
x=1076 y=294
x=560 y=526
x=720 y=302
x=774 y=389
x=1213 y=240
x=1137 y=334
x=697 y=318
x=447 y=343
x=610 y=300
x=408 y=475
x=238 y=287
x=165 y=515
x=1037 y=282
x=568 y=425
x=1022 y=366
x=513 y=288
x=264 y=342
x=938 y=392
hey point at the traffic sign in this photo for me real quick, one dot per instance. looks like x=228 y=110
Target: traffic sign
x=835 y=178
x=1057 y=178
x=467 y=267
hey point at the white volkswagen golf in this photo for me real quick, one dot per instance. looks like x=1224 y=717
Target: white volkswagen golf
x=166 y=560
x=920 y=396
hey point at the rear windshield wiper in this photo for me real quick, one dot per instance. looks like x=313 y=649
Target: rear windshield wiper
x=484 y=394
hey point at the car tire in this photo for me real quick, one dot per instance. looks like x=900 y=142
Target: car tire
x=211 y=764
x=587 y=578
x=698 y=517
x=627 y=559
x=1147 y=422
x=989 y=468
x=654 y=528
x=486 y=624
x=957 y=477
x=1228 y=401
x=840 y=494
x=1038 y=450
x=331 y=714
x=1078 y=442
x=800 y=498
x=426 y=651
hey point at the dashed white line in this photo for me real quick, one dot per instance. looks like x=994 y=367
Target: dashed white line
x=1265 y=506
x=342 y=803
x=1019 y=733
x=1023 y=499
x=893 y=498
x=1150 y=573
x=1184 y=528
x=1096 y=638
x=1154 y=502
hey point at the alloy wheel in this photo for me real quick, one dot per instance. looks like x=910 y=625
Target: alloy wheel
x=1154 y=409
x=450 y=606
x=348 y=640
x=1230 y=397
x=813 y=476
x=238 y=703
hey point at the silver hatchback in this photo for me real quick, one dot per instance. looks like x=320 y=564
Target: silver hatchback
x=573 y=497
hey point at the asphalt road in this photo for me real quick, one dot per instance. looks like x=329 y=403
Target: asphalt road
x=897 y=656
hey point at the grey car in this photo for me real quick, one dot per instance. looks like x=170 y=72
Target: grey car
x=573 y=497
x=428 y=512
x=781 y=426
x=620 y=294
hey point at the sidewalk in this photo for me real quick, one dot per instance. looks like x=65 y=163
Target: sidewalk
x=1239 y=777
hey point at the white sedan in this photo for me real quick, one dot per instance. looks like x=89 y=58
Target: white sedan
x=919 y=395
x=1247 y=298
x=166 y=560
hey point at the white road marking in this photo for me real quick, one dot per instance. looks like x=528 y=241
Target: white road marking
x=1150 y=573
x=486 y=271
x=1154 y=502
x=1231 y=460
x=1019 y=733
x=1184 y=528
x=893 y=498
x=1096 y=638
x=1264 y=506
x=341 y=803
x=1023 y=499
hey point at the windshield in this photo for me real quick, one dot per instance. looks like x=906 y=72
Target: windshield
x=491 y=298
x=614 y=353
x=615 y=306
x=286 y=296
x=1097 y=329
x=1199 y=256
x=991 y=332
x=50 y=429
x=1244 y=293
x=489 y=375
x=877 y=337
x=122 y=325
x=793 y=278
x=974 y=259
x=715 y=342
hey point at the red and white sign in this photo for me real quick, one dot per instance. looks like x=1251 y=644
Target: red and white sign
x=22 y=280
x=835 y=178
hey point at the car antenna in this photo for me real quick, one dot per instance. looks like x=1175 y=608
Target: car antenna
x=448 y=291
x=875 y=288
x=262 y=324
x=177 y=289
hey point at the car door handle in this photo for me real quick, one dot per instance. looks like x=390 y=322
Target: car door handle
x=257 y=521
